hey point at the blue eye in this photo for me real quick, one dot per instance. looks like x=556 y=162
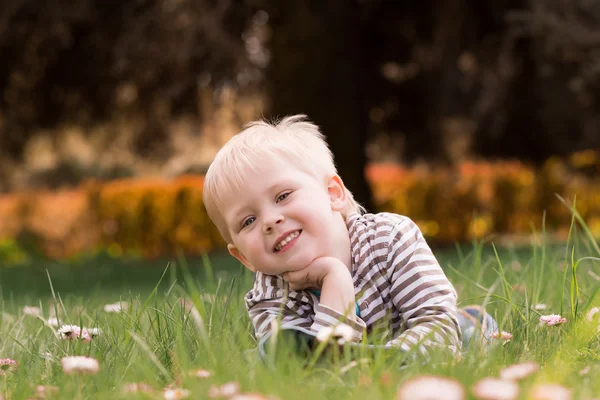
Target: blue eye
x=248 y=221
x=283 y=196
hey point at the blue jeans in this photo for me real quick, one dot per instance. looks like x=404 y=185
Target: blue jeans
x=476 y=324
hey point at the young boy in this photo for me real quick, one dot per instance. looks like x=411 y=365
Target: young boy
x=274 y=193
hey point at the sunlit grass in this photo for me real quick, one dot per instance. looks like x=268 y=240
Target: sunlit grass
x=193 y=319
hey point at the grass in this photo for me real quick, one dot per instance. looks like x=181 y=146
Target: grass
x=158 y=341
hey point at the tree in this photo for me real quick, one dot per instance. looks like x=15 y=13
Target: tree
x=318 y=68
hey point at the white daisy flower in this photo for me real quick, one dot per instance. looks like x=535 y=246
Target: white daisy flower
x=80 y=364
x=68 y=331
x=45 y=391
x=344 y=333
x=72 y=332
x=430 y=387
x=550 y=391
x=201 y=373
x=250 y=396
x=30 y=310
x=116 y=307
x=176 y=394
x=495 y=389
x=226 y=390
x=94 y=332
x=7 y=365
x=592 y=313
x=324 y=333
x=137 y=388
x=552 y=319
x=517 y=372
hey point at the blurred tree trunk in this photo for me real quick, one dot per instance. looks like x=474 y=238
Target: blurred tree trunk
x=318 y=68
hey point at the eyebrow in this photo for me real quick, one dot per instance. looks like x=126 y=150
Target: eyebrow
x=238 y=212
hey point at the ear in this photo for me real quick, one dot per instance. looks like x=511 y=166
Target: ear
x=337 y=193
x=234 y=251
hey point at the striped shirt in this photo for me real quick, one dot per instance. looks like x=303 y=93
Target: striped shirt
x=400 y=289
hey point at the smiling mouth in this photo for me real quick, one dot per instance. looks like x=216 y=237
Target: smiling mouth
x=284 y=244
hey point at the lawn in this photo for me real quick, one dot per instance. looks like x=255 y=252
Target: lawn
x=186 y=328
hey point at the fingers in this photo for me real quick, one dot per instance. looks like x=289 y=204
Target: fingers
x=297 y=280
x=294 y=277
x=299 y=286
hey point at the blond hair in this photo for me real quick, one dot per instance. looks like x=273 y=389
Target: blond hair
x=294 y=139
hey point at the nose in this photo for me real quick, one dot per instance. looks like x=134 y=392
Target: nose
x=272 y=220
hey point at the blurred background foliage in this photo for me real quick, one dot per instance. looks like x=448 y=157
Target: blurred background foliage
x=467 y=116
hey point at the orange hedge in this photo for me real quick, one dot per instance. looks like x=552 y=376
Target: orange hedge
x=153 y=216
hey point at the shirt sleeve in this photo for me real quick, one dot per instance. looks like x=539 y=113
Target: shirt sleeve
x=267 y=303
x=423 y=295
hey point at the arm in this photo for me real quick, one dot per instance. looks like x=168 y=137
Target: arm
x=421 y=292
x=337 y=303
x=263 y=315
x=337 y=292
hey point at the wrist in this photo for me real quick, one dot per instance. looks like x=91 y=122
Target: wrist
x=338 y=277
x=336 y=268
x=338 y=271
x=337 y=292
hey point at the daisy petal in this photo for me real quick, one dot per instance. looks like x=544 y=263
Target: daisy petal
x=431 y=388
x=495 y=389
x=549 y=391
x=517 y=372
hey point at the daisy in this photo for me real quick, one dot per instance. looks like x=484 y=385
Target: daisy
x=72 y=332
x=44 y=391
x=592 y=313
x=549 y=391
x=201 y=373
x=137 y=388
x=53 y=321
x=94 y=332
x=84 y=365
x=324 y=333
x=517 y=372
x=251 y=396
x=540 y=307
x=226 y=390
x=30 y=310
x=551 y=320
x=7 y=365
x=430 y=387
x=116 y=307
x=343 y=332
x=176 y=394
x=495 y=389
x=503 y=335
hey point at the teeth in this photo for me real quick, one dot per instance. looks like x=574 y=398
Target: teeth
x=288 y=239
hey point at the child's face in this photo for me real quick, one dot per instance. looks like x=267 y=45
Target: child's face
x=284 y=218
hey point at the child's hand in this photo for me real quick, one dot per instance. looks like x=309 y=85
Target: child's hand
x=312 y=276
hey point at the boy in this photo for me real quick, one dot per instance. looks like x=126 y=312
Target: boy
x=274 y=193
